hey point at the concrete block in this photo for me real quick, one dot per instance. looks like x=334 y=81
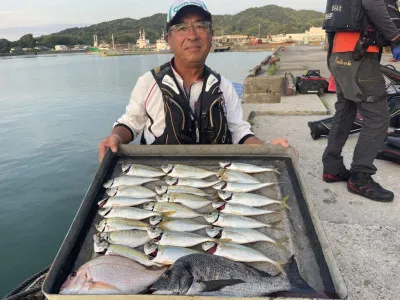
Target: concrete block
x=263 y=89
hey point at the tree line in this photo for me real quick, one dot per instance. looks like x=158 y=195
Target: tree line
x=265 y=20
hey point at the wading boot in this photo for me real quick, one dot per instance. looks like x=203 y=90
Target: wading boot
x=342 y=176
x=362 y=184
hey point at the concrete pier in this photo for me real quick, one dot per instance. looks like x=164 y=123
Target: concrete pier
x=363 y=235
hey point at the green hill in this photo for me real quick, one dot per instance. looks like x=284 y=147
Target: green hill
x=272 y=19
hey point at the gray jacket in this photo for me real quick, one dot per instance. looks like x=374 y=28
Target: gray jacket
x=377 y=13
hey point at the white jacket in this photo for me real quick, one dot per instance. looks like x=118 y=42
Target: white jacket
x=147 y=96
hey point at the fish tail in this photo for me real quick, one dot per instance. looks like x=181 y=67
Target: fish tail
x=276 y=170
x=284 y=202
x=279 y=265
x=279 y=243
x=274 y=225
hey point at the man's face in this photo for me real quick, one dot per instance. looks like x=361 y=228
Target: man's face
x=192 y=47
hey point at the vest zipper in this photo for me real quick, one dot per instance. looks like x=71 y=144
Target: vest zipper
x=210 y=109
x=172 y=123
x=183 y=114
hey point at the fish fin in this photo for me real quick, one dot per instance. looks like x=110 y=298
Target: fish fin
x=169 y=213
x=284 y=202
x=215 y=285
x=280 y=266
x=276 y=170
x=292 y=270
x=274 y=225
x=98 y=285
x=279 y=243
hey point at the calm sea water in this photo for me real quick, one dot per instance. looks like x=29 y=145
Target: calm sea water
x=54 y=111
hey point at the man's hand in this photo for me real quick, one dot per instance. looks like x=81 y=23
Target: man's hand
x=281 y=141
x=112 y=142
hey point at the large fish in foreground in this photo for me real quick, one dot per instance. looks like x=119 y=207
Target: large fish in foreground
x=246 y=168
x=110 y=275
x=183 y=171
x=209 y=275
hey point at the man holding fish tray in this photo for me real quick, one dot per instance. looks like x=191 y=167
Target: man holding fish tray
x=184 y=101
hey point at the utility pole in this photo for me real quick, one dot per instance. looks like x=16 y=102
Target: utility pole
x=112 y=38
x=259 y=30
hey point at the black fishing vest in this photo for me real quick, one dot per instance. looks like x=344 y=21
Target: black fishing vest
x=207 y=125
x=348 y=15
x=343 y=15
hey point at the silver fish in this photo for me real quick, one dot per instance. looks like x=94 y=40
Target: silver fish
x=218 y=277
x=239 y=209
x=247 y=168
x=127 y=213
x=115 y=224
x=183 y=171
x=127 y=181
x=179 y=189
x=176 y=238
x=191 y=201
x=238 y=253
x=125 y=251
x=185 y=225
x=197 y=183
x=235 y=221
x=235 y=176
x=130 y=238
x=121 y=202
x=110 y=275
x=131 y=191
x=166 y=255
x=241 y=187
x=251 y=199
x=141 y=171
x=243 y=236
x=173 y=210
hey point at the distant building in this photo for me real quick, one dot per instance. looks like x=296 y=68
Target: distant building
x=17 y=50
x=61 y=48
x=141 y=42
x=161 y=44
x=314 y=34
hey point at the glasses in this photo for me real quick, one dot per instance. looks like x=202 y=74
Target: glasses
x=199 y=27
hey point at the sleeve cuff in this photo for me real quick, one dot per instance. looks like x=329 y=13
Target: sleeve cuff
x=241 y=142
x=130 y=130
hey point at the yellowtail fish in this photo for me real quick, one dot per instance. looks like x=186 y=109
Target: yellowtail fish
x=239 y=209
x=246 y=168
x=166 y=255
x=130 y=238
x=251 y=199
x=191 y=201
x=115 y=224
x=179 y=189
x=131 y=191
x=241 y=187
x=121 y=202
x=141 y=171
x=127 y=213
x=176 y=238
x=183 y=171
x=235 y=221
x=125 y=251
x=127 y=180
x=243 y=236
x=185 y=225
x=238 y=252
x=173 y=210
x=197 y=183
x=235 y=176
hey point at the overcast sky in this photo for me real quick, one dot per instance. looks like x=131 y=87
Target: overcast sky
x=18 y=17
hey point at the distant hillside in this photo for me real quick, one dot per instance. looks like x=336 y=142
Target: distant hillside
x=273 y=19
